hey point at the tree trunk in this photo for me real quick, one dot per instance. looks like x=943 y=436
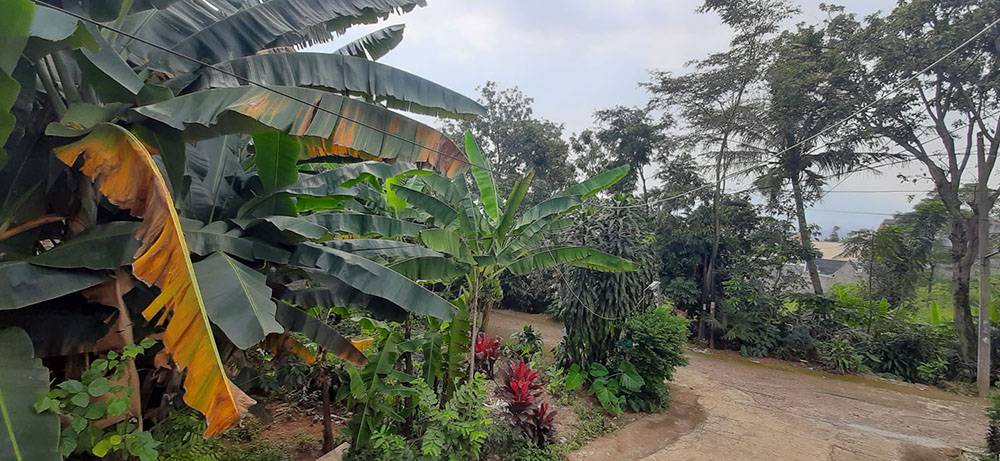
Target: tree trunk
x=645 y=194
x=324 y=383
x=963 y=238
x=800 y=214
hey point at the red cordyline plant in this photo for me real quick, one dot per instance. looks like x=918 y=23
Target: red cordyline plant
x=522 y=391
x=487 y=353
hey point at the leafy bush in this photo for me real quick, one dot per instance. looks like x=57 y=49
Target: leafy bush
x=95 y=397
x=458 y=430
x=841 y=356
x=527 y=342
x=654 y=343
x=993 y=434
x=180 y=437
x=611 y=388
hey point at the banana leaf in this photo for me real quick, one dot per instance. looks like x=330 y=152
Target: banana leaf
x=23 y=284
x=203 y=240
x=15 y=24
x=364 y=224
x=25 y=434
x=357 y=76
x=357 y=127
x=296 y=320
x=581 y=256
x=484 y=178
x=373 y=279
x=238 y=300
x=219 y=31
x=375 y=44
x=444 y=215
x=596 y=183
x=128 y=177
x=107 y=246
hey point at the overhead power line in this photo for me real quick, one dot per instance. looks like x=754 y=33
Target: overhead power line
x=252 y=82
x=892 y=91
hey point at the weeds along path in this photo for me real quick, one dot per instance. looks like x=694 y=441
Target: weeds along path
x=727 y=407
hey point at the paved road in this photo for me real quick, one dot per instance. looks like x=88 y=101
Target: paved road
x=726 y=407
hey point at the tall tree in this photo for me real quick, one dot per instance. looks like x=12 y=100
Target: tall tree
x=952 y=100
x=624 y=136
x=795 y=142
x=514 y=141
x=713 y=100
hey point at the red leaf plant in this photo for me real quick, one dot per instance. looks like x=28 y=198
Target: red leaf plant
x=487 y=353
x=522 y=392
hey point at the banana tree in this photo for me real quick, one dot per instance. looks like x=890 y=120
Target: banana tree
x=484 y=236
x=119 y=154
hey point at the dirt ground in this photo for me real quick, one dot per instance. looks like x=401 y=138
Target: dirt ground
x=728 y=407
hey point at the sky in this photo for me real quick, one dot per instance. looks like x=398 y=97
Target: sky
x=576 y=56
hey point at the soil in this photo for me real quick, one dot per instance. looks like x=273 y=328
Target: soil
x=728 y=407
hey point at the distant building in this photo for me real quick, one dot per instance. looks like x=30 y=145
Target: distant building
x=831 y=272
x=832 y=250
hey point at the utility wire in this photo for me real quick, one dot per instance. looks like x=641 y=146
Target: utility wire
x=252 y=82
x=892 y=91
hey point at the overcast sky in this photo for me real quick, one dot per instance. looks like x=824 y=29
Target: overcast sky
x=576 y=56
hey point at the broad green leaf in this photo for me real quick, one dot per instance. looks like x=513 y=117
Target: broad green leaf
x=551 y=207
x=395 y=203
x=227 y=31
x=630 y=378
x=597 y=370
x=238 y=300
x=513 y=203
x=446 y=241
x=442 y=213
x=203 y=240
x=382 y=248
x=166 y=143
x=23 y=284
x=484 y=178
x=398 y=89
x=574 y=378
x=346 y=127
x=15 y=23
x=596 y=183
x=25 y=435
x=345 y=176
x=212 y=165
x=81 y=117
x=276 y=154
x=107 y=72
x=300 y=226
x=581 y=256
x=364 y=224
x=430 y=269
x=51 y=25
x=107 y=246
x=375 y=44
x=296 y=320
x=373 y=279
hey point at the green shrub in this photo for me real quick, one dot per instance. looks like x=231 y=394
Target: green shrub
x=841 y=356
x=458 y=430
x=993 y=434
x=654 y=343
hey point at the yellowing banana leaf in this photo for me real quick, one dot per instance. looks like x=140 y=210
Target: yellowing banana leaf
x=357 y=128
x=285 y=342
x=127 y=176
